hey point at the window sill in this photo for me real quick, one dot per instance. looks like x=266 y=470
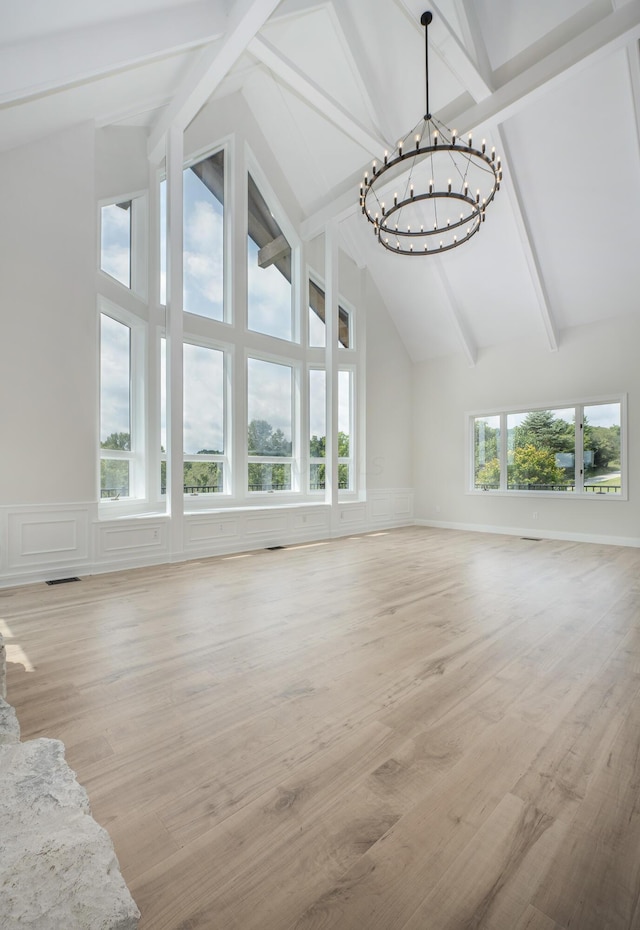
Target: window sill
x=550 y=495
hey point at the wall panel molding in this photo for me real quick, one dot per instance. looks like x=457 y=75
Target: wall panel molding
x=53 y=541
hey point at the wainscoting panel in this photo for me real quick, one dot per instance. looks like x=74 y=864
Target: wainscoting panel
x=57 y=541
x=47 y=537
x=117 y=540
x=201 y=532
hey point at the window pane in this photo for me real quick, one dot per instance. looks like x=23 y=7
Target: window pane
x=269 y=477
x=602 y=464
x=203 y=477
x=317 y=413
x=115 y=241
x=270 y=429
x=345 y=384
x=270 y=408
x=204 y=237
x=203 y=400
x=317 y=428
x=269 y=296
x=115 y=384
x=486 y=434
x=541 y=450
x=114 y=478
x=163 y=395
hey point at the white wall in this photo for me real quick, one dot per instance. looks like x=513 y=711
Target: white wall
x=48 y=379
x=592 y=361
x=389 y=400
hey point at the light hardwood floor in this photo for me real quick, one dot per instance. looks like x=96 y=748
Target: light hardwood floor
x=412 y=730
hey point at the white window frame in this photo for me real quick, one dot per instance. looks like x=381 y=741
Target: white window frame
x=281 y=217
x=578 y=406
x=139 y=242
x=295 y=458
x=225 y=146
x=137 y=371
x=315 y=460
x=351 y=459
x=225 y=459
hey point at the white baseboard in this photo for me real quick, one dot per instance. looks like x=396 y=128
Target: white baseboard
x=536 y=533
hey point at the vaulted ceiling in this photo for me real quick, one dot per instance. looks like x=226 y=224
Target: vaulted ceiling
x=554 y=85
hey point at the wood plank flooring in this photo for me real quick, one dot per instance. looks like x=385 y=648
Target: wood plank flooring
x=413 y=730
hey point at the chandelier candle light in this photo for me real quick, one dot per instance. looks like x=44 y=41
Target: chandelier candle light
x=430 y=194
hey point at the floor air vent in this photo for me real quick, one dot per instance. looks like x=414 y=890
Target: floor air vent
x=532 y=538
x=62 y=580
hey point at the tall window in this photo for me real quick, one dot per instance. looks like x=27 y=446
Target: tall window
x=115 y=241
x=204 y=420
x=204 y=240
x=345 y=431
x=270 y=426
x=317 y=428
x=573 y=450
x=116 y=453
x=204 y=237
x=269 y=298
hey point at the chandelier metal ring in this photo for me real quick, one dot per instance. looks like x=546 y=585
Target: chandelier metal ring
x=418 y=221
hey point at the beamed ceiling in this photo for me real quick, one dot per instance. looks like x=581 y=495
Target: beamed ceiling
x=554 y=85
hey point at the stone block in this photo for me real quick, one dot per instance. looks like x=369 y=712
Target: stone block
x=9 y=726
x=58 y=868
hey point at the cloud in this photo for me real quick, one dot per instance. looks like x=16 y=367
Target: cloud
x=269 y=298
x=204 y=258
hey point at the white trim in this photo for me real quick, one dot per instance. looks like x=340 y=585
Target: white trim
x=535 y=533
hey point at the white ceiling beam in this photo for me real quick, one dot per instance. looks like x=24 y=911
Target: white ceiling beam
x=470 y=21
x=465 y=340
x=42 y=66
x=291 y=8
x=444 y=41
x=367 y=77
x=312 y=94
x=215 y=62
x=616 y=31
x=527 y=241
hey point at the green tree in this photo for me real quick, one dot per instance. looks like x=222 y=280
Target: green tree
x=114 y=478
x=489 y=475
x=262 y=440
x=485 y=446
x=318 y=449
x=543 y=430
x=206 y=475
x=534 y=467
x=604 y=442
x=120 y=441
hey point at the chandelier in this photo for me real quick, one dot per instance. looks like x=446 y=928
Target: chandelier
x=430 y=194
